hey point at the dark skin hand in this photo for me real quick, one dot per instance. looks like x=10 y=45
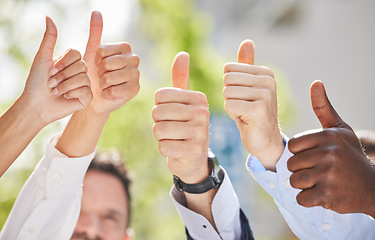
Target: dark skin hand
x=329 y=166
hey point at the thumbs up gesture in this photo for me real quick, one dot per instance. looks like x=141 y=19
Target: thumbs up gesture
x=329 y=166
x=113 y=70
x=181 y=125
x=251 y=101
x=54 y=90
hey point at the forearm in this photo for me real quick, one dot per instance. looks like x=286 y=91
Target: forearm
x=18 y=126
x=82 y=133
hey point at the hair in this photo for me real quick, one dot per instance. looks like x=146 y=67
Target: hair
x=367 y=139
x=112 y=163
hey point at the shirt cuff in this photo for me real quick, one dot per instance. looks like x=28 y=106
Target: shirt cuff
x=274 y=182
x=64 y=175
x=225 y=211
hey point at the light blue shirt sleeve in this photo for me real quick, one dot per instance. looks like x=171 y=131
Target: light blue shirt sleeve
x=308 y=223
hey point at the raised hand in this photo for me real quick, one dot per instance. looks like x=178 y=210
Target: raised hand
x=53 y=90
x=251 y=101
x=56 y=89
x=181 y=125
x=329 y=165
x=114 y=75
x=113 y=70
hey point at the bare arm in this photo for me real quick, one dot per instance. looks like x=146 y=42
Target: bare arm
x=114 y=75
x=41 y=103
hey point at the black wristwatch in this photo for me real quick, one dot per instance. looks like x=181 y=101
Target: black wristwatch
x=213 y=181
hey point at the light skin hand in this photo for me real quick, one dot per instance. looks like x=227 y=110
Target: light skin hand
x=40 y=105
x=182 y=128
x=251 y=101
x=329 y=166
x=114 y=75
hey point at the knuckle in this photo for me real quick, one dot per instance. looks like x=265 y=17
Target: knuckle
x=267 y=71
x=75 y=54
x=125 y=47
x=293 y=180
x=85 y=79
x=105 y=64
x=135 y=73
x=202 y=114
x=163 y=149
x=156 y=129
x=269 y=82
x=228 y=67
x=155 y=113
x=100 y=52
x=160 y=94
x=226 y=78
x=202 y=98
x=327 y=195
x=301 y=200
x=82 y=66
x=105 y=81
x=331 y=154
x=230 y=106
x=135 y=59
x=61 y=76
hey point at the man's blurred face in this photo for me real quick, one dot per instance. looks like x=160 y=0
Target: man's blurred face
x=104 y=208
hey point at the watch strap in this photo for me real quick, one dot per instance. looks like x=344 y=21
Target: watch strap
x=213 y=181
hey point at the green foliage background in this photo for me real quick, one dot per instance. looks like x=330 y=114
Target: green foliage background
x=167 y=27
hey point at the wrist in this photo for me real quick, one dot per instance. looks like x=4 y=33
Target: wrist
x=24 y=115
x=271 y=154
x=95 y=113
x=195 y=173
x=212 y=180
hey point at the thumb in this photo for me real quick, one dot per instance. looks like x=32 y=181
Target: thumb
x=95 y=35
x=45 y=52
x=180 y=71
x=323 y=109
x=246 y=52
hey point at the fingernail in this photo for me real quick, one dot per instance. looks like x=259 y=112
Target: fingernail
x=55 y=91
x=52 y=83
x=53 y=71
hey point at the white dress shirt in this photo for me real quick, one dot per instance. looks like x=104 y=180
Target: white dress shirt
x=49 y=203
x=225 y=211
x=308 y=223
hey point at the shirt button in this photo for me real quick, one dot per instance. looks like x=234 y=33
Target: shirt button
x=326 y=227
x=287 y=184
x=31 y=230
x=272 y=185
x=56 y=177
